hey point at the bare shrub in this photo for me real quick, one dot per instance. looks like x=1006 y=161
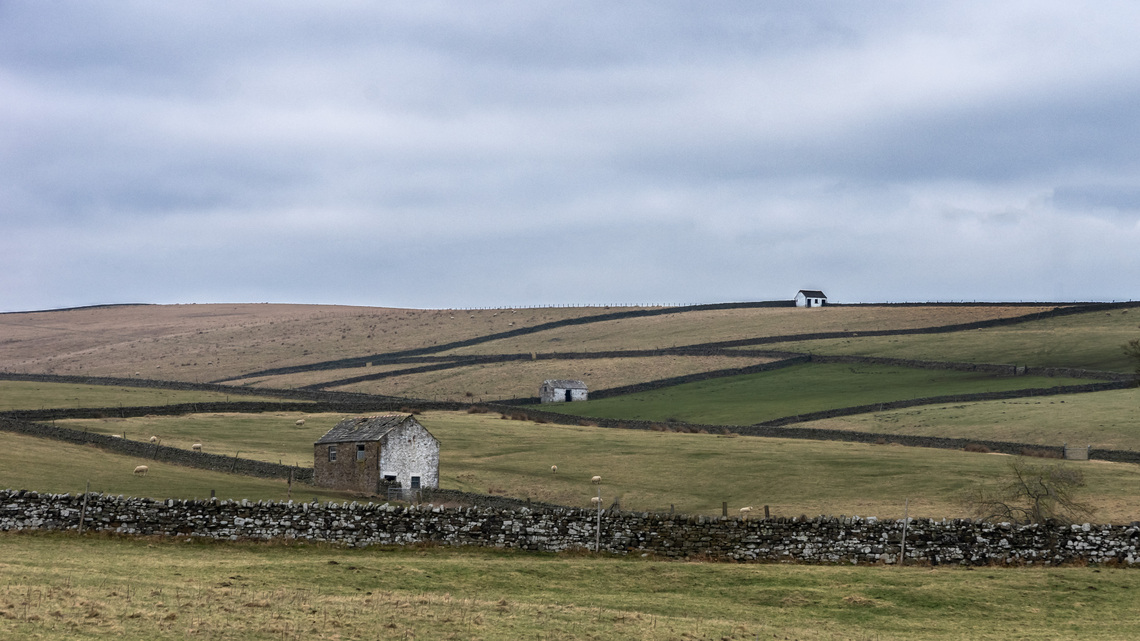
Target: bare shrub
x=1036 y=453
x=977 y=447
x=1031 y=493
x=588 y=423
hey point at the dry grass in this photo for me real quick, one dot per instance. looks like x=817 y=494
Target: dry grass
x=521 y=379
x=211 y=342
x=722 y=325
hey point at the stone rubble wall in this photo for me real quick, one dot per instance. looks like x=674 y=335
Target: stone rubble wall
x=820 y=540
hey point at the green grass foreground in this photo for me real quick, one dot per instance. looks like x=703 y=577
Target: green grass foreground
x=67 y=587
x=754 y=398
x=29 y=395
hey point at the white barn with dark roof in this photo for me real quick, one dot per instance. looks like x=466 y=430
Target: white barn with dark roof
x=810 y=298
x=369 y=453
x=562 y=391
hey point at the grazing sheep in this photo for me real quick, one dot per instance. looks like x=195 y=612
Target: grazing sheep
x=154 y=439
x=116 y=436
x=553 y=469
x=597 y=480
x=745 y=511
x=197 y=447
x=595 y=501
x=300 y=422
x=141 y=470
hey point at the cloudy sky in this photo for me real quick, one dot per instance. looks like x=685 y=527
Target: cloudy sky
x=456 y=154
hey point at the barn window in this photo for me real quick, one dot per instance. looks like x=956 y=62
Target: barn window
x=360 y=451
x=332 y=453
x=415 y=482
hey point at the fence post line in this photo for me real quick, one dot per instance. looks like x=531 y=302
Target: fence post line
x=906 y=519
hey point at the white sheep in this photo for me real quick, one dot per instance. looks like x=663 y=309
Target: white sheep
x=553 y=469
x=300 y=422
x=745 y=511
x=154 y=439
x=597 y=480
x=595 y=501
x=197 y=447
x=116 y=436
x=141 y=470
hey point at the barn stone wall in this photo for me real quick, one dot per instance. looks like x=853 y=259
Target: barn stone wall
x=818 y=540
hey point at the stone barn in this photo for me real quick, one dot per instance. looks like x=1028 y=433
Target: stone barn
x=369 y=453
x=810 y=298
x=562 y=391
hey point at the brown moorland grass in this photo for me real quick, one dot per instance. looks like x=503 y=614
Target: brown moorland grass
x=32 y=395
x=68 y=587
x=211 y=342
x=521 y=379
x=1105 y=420
x=689 y=328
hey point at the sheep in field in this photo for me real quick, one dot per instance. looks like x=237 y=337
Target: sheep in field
x=116 y=436
x=744 y=512
x=141 y=470
x=553 y=469
x=595 y=501
x=197 y=447
x=300 y=422
x=154 y=439
x=597 y=480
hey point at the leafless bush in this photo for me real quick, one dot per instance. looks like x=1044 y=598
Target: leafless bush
x=1031 y=493
x=977 y=447
x=1036 y=453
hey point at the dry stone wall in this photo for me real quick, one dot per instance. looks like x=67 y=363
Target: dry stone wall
x=818 y=540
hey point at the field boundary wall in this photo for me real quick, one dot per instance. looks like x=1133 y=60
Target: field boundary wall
x=822 y=540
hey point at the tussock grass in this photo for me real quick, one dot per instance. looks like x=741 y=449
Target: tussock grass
x=65 y=587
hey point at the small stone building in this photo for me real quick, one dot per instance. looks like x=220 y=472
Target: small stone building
x=562 y=391
x=810 y=298
x=370 y=453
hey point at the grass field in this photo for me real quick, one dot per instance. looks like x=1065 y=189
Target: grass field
x=733 y=324
x=1105 y=420
x=53 y=466
x=753 y=398
x=26 y=395
x=694 y=473
x=1090 y=341
x=65 y=587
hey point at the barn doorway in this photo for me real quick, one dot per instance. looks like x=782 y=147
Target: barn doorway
x=569 y=397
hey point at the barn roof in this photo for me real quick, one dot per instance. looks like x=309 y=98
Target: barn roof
x=564 y=384
x=364 y=428
x=813 y=293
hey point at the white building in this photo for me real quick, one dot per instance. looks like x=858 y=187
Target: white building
x=810 y=298
x=370 y=453
x=562 y=391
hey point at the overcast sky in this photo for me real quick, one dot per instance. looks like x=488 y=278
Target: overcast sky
x=459 y=154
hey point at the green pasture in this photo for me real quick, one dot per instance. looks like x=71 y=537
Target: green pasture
x=1105 y=420
x=754 y=398
x=28 y=395
x=265 y=436
x=1089 y=341
x=646 y=470
x=45 y=465
x=66 y=587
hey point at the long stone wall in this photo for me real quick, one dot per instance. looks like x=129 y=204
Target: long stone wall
x=818 y=540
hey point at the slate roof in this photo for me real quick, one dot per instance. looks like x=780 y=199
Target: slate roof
x=564 y=384
x=363 y=428
x=813 y=293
